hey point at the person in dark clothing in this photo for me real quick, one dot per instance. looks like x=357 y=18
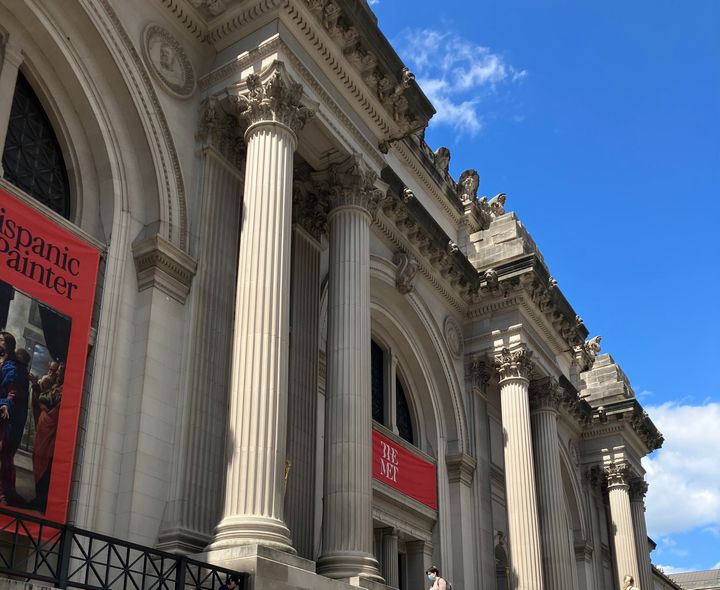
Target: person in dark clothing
x=231 y=583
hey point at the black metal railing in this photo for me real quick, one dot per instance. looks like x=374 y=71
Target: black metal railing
x=63 y=556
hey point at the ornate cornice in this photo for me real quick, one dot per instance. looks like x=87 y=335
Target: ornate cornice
x=161 y=264
x=390 y=88
x=584 y=354
x=515 y=364
x=627 y=414
x=271 y=96
x=545 y=394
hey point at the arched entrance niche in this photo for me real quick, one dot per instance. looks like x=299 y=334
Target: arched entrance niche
x=125 y=184
x=403 y=326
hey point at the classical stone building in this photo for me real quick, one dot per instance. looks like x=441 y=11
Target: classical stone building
x=315 y=355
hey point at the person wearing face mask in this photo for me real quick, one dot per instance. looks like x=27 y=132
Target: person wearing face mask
x=438 y=583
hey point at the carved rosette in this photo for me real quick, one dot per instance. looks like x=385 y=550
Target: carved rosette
x=352 y=184
x=618 y=474
x=545 y=394
x=453 y=336
x=638 y=489
x=514 y=364
x=406 y=267
x=278 y=99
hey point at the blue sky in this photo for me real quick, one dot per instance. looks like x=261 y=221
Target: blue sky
x=601 y=121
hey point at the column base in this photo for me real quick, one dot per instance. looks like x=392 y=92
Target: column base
x=239 y=531
x=349 y=564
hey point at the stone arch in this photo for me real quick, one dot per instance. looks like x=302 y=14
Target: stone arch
x=428 y=365
x=110 y=125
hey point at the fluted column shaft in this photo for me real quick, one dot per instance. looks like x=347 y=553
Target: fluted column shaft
x=12 y=58
x=347 y=508
x=390 y=566
x=302 y=399
x=545 y=401
x=638 y=489
x=622 y=523
x=254 y=492
x=514 y=369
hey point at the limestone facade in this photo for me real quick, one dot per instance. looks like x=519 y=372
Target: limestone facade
x=288 y=270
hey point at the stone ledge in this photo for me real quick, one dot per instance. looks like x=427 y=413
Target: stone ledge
x=161 y=264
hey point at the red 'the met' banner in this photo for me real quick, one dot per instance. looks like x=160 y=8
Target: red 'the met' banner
x=47 y=288
x=403 y=470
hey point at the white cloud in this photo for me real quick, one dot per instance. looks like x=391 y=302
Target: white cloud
x=716 y=566
x=684 y=476
x=456 y=74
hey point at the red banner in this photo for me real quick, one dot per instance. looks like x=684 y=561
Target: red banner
x=47 y=289
x=404 y=471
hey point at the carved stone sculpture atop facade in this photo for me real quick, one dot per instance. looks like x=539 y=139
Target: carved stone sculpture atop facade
x=274 y=98
x=407 y=267
x=352 y=183
x=442 y=159
x=515 y=364
x=497 y=205
x=468 y=186
x=545 y=394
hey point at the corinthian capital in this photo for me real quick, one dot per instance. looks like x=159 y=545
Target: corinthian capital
x=271 y=96
x=545 y=394
x=638 y=489
x=352 y=183
x=514 y=364
x=618 y=474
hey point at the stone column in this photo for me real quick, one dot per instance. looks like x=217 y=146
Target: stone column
x=254 y=489
x=195 y=495
x=390 y=568
x=308 y=223
x=638 y=489
x=545 y=400
x=347 y=509
x=12 y=58
x=514 y=368
x=622 y=522
x=419 y=559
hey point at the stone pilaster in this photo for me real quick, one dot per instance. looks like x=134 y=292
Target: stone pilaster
x=514 y=368
x=638 y=489
x=254 y=493
x=195 y=502
x=347 y=510
x=545 y=400
x=303 y=386
x=479 y=371
x=12 y=59
x=621 y=519
x=390 y=565
x=419 y=559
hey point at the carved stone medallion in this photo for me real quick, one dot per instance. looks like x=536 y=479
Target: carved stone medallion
x=453 y=336
x=168 y=62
